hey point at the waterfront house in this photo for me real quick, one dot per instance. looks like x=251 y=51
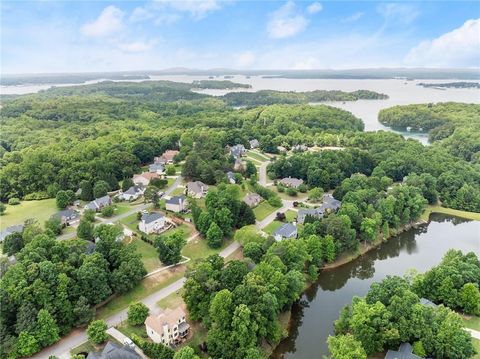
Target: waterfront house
x=151 y=222
x=404 y=352
x=169 y=327
x=328 y=205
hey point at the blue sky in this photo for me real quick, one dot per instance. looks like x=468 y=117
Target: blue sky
x=47 y=36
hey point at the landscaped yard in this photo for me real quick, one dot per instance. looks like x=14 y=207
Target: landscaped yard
x=128 y=329
x=131 y=221
x=476 y=345
x=41 y=210
x=178 y=191
x=146 y=287
x=272 y=227
x=119 y=208
x=472 y=323
x=257 y=156
x=149 y=254
x=263 y=210
x=299 y=197
x=198 y=249
x=290 y=215
x=172 y=301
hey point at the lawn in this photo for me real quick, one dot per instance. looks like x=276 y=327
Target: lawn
x=299 y=197
x=290 y=215
x=476 y=345
x=472 y=323
x=172 y=301
x=272 y=226
x=257 y=156
x=149 y=254
x=178 y=191
x=128 y=329
x=198 y=249
x=119 y=209
x=453 y=212
x=41 y=210
x=263 y=210
x=254 y=160
x=146 y=287
x=131 y=221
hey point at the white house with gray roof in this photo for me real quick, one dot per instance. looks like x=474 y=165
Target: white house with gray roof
x=151 y=222
x=285 y=231
x=132 y=193
x=176 y=204
x=68 y=217
x=99 y=203
x=18 y=228
x=197 y=189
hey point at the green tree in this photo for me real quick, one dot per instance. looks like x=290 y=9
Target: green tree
x=185 y=353
x=170 y=247
x=100 y=189
x=254 y=251
x=345 y=347
x=85 y=230
x=244 y=330
x=93 y=278
x=96 y=331
x=89 y=215
x=126 y=184
x=54 y=224
x=470 y=299
x=315 y=194
x=27 y=345
x=171 y=170
x=3 y=208
x=221 y=309
x=46 y=331
x=12 y=244
x=214 y=236
x=83 y=312
x=137 y=313
x=107 y=211
x=86 y=191
x=328 y=248
x=62 y=199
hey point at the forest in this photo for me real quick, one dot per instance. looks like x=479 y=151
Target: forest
x=391 y=313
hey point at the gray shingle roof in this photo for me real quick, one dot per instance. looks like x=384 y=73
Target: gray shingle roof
x=237 y=150
x=133 y=190
x=175 y=200
x=427 y=302
x=287 y=230
x=114 y=351
x=404 y=352
x=99 y=202
x=154 y=167
x=9 y=230
x=67 y=213
x=197 y=187
x=291 y=182
x=151 y=217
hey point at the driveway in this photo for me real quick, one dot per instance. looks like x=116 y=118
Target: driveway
x=121 y=339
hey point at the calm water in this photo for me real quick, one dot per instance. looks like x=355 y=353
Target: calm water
x=401 y=93
x=422 y=248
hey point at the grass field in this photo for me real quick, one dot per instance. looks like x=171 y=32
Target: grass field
x=257 y=156
x=40 y=210
x=146 y=287
x=198 y=249
x=284 y=195
x=476 y=345
x=128 y=330
x=290 y=215
x=263 y=210
x=131 y=221
x=178 y=191
x=172 y=301
x=453 y=212
x=149 y=254
x=472 y=323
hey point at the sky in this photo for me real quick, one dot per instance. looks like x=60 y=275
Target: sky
x=79 y=36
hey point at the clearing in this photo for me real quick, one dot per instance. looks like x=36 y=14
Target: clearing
x=40 y=210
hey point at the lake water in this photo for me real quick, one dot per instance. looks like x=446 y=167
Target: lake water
x=401 y=92
x=421 y=249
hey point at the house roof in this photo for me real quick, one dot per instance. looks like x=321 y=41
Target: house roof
x=151 y=217
x=197 y=187
x=133 y=190
x=175 y=200
x=237 y=150
x=252 y=198
x=404 y=352
x=230 y=175
x=114 y=351
x=330 y=203
x=154 y=167
x=67 y=213
x=9 y=230
x=303 y=212
x=291 y=181
x=427 y=302
x=254 y=143
x=147 y=175
x=169 y=154
x=168 y=317
x=287 y=230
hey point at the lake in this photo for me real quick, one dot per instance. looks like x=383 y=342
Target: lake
x=401 y=92
x=421 y=249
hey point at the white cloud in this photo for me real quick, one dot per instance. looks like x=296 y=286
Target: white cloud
x=398 y=13
x=354 y=17
x=459 y=47
x=314 y=8
x=141 y=14
x=196 y=8
x=108 y=22
x=286 y=21
x=136 y=46
x=246 y=59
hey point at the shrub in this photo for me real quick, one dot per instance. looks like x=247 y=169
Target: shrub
x=96 y=331
x=137 y=313
x=13 y=201
x=292 y=191
x=107 y=211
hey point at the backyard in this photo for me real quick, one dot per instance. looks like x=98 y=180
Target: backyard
x=40 y=210
x=263 y=210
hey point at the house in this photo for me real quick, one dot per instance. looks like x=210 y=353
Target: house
x=404 y=352
x=18 y=228
x=281 y=149
x=291 y=182
x=99 y=203
x=254 y=143
x=68 y=217
x=252 y=199
x=427 y=303
x=285 y=231
x=115 y=351
x=166 y=157
x=156 y=168
x=237 y=151
x=151 y=222
x=197 y=189
x=144 y=178
x=176 y=204
x=168 y=327
x=329 y=204
x=231 y=177
x=132 y=193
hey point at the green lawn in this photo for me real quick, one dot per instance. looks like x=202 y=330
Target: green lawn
x=131 y=221
x=178 y=191
x=128 y=330
x=290 y=215
x=198 y=249
x=272 y=226
x=41 y=210
x=172 y=301
x=453 y=212
x=257 y=156
x=254 y=160
x=472 y=323
x=119 y=208
x=149 y=254
x=299 y=197
x=476 y=345
x=263 y=210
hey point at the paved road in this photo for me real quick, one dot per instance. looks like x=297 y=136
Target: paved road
x=135 y=209
x=62 y=348
x=475 y=333
x=287 y=204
